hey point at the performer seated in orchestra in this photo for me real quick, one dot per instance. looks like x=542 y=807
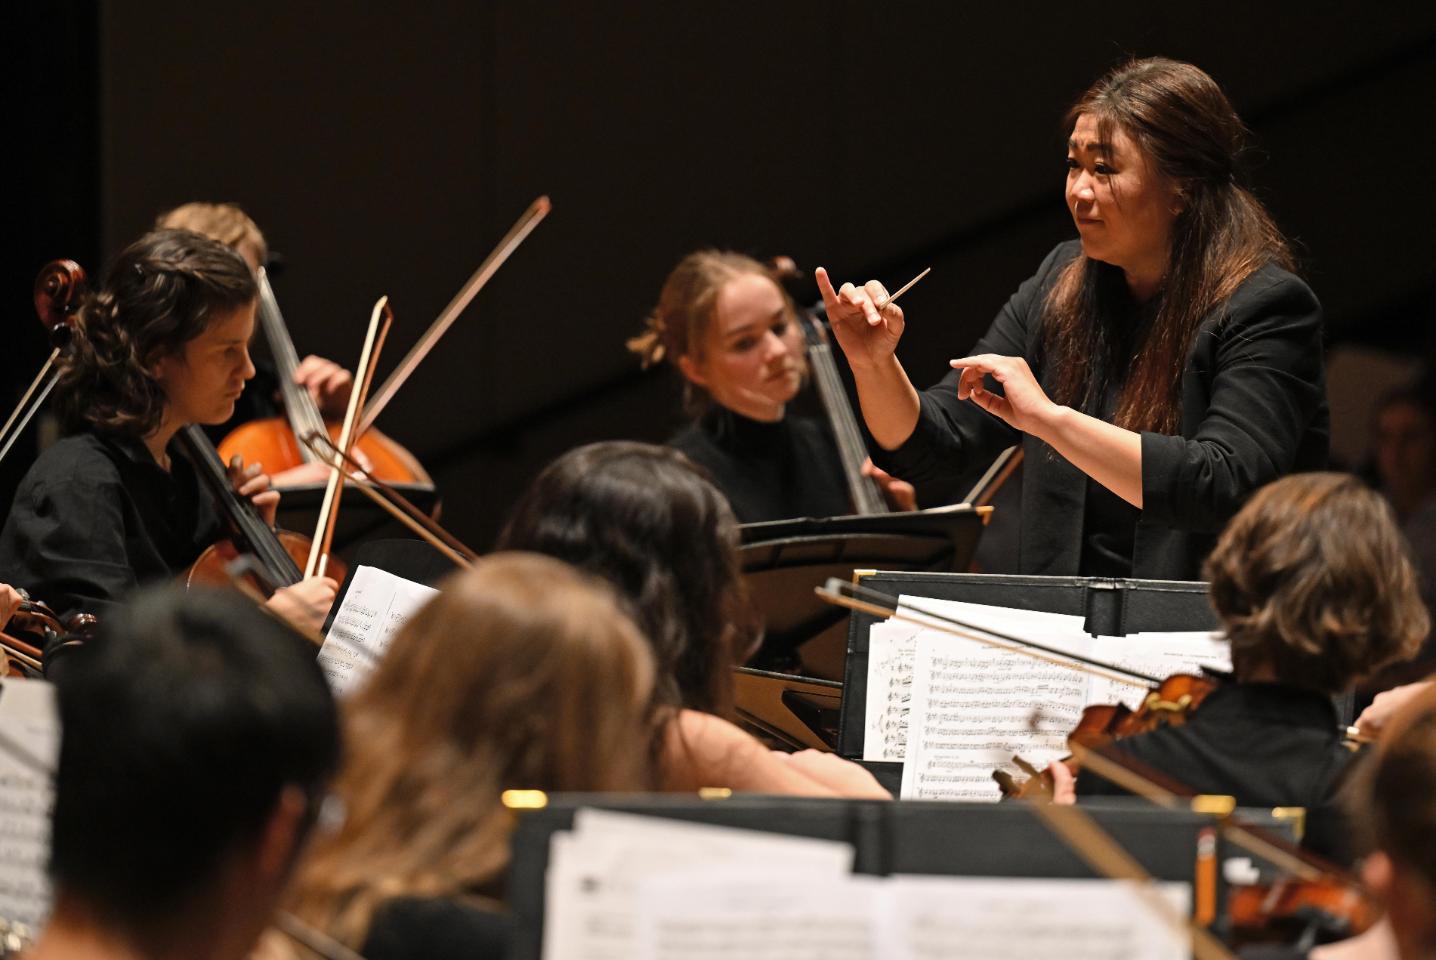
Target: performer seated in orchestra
x=522 y=674
x=648 y=521
x=327 y=382
x=1157 y=371
x=1315 y=589
x=732 y=332
x=164 y=343
x=197 y=742
x=1395 y=805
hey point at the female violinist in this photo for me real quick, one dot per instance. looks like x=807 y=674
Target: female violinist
x=1156 y=371
x=651 y=524
x=732 y=333
x=164 y=343
x=1315 y=589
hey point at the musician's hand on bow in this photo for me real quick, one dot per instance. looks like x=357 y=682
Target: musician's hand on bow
x=1385 y=706
x=10 y=600
x=899 y=494
x=306 y=603
x=253 y=482
x=1064 y=784
x=327 y=382
x=868 y=336
x=1023 y=405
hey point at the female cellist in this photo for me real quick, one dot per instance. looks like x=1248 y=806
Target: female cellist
x=732 y=333
x=1157 y=371
x=1315 y=589
x=164 y=343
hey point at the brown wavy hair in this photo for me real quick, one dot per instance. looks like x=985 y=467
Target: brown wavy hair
x=161 y=292
x=523 y=673
x=649 y=521
x=1313 y=578
x=682 y=322
x=1184 y=123
x=1395 y=792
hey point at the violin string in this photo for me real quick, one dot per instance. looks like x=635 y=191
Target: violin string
x=28 y=416
x=34 y=384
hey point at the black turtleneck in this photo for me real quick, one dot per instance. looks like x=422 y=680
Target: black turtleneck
x=768 y=471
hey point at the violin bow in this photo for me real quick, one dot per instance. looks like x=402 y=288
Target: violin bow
x=392 y=501
x=496 y=258
x=379 y=321
x=864 y=600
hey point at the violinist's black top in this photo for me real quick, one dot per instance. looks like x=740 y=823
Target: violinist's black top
x=1266 y=744
x=411 y=928
x=96 y=517
x=769 y=471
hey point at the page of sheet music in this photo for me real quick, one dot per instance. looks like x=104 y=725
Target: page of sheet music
x=29 y=752
x=1004 y=918
x=722 y=915
x=594 y=871
x=1156 y=655
x=376 y=605
x=892 y=643
x=974 y=707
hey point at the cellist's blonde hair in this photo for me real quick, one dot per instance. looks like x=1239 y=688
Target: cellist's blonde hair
x=523 y=673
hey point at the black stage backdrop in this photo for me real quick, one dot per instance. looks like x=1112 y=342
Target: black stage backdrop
x=384 y=148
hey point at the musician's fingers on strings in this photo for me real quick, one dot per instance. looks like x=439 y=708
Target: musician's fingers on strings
x=1064 y=784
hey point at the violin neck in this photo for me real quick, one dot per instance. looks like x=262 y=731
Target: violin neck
x=257 y=536
x=867 y=496
x=303 y=414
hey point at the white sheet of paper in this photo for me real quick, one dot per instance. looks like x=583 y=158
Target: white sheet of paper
x=719 y=915
x=1156 y=655
x=974 y=707
x=1003 y=918
x=31 y=725
x=595 y=869
x=376 y=605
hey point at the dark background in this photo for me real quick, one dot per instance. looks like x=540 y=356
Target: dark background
x=384 y=148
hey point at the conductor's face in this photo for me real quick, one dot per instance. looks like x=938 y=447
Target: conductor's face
x=1124 y=207
x=752 y=362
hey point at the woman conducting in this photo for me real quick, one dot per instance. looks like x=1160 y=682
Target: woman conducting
x=1157 y=370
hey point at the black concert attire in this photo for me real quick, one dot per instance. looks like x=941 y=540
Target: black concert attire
x=413 y=928
x=1266 y=744
x=95 y=517
x=769 y=471
x=1253 y=408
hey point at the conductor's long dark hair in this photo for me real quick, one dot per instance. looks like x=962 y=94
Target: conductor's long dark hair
x=1182 y=120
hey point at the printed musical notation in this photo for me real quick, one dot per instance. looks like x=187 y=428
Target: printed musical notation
x=375 y=606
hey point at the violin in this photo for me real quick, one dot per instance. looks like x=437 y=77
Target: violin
x=58 y=290
x=277 y=555
x=274 y=441
x=35 y=629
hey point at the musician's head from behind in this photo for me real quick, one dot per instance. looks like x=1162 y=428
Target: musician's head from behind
x=650 y=522
x=198 y=738
x=522 y=674
x=732 y=332
x=1314 y=584
x=224 y=222
x=164 y=341
x=1154 y=171
x=1394 y=801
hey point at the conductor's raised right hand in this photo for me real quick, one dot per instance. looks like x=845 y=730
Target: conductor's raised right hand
x=868 y=335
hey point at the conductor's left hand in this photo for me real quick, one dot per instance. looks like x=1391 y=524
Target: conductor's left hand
x=1023 y=405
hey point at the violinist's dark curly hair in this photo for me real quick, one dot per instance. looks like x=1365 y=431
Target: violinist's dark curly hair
x=1313 y=578
x=161 y=292
x=646 y=519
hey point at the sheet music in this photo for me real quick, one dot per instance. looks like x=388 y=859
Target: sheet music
x=1157 y=655
x=594 y=872
x=717 y=915
x=1003 y=918
x=376 y=605
x=892 y=644
x=28 y=755
x=974 y=707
